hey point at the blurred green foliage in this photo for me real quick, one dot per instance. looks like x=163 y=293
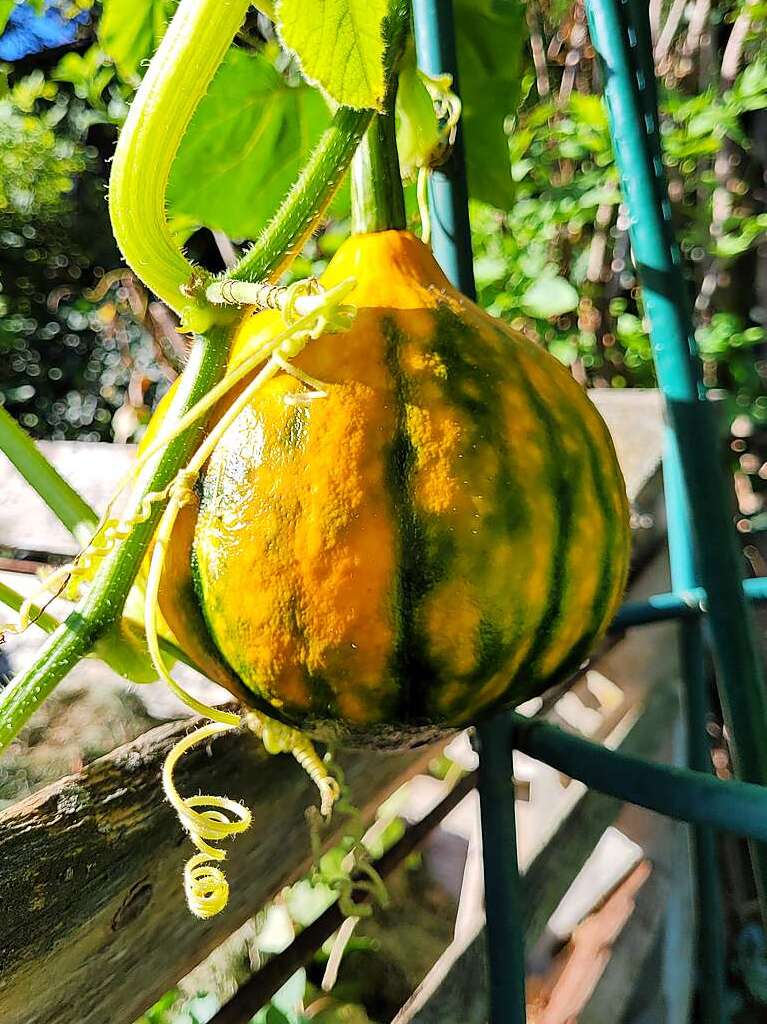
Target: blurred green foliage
x=549 y=258
x=73 y=352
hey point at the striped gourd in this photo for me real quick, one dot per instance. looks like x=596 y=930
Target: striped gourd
x=444 y=532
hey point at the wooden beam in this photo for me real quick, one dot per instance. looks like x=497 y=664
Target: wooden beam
x=94 y=924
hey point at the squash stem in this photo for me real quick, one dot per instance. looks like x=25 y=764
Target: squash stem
x=304 y=206
x=378 y=202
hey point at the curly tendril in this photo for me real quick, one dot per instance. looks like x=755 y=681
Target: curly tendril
x=447 y=108
x=282 y=739
x=205 y=884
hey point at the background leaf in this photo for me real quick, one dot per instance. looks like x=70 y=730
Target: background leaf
x=130 y=31
x=339 y=45
x=245 y=145
x=551 y=296
x=491 y=36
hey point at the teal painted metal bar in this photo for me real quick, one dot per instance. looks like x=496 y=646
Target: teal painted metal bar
x=448 y=194
x=618 y=29
x=709 y=918
x=699 y=521
x=709 y=931
x=682 y=604
x=660 y=608
x=503 y=890
x=451 y=242
x=681 y=793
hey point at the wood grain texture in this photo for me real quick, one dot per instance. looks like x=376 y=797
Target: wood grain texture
x=94 y=924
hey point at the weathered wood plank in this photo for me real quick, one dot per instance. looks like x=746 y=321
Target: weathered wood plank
x=635 y=421
x=91 y=876
x=94 y=922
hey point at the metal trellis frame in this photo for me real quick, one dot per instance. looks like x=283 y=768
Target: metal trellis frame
x=709 y=597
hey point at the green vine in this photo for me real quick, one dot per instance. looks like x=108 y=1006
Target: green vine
x=294 y=222
x=103 y=604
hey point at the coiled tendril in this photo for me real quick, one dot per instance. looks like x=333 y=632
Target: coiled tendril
x=205 y=884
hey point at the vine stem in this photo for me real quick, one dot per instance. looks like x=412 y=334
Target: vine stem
x=311 y=195
x=103 y=604
x=378 y=203
x=323 y=173
x=179 y=75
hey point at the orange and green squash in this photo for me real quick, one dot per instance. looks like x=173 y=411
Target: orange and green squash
x=445 y=532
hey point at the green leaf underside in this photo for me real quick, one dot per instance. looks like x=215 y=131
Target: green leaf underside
x=339 y=45
x=246 y=143
x=130 y=31
x=490 y=37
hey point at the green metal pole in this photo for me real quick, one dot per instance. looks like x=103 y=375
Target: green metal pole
x=448 y=193
x=681 y=793
x=709 y=924
x=451 y=242
x=503 y=890
x=688 y=603
x=619 y=31
x=710 y=956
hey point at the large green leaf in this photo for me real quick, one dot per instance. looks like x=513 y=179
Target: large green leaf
x=130 y=31
x=246 y=143
x=339 y=45
x=491 y=37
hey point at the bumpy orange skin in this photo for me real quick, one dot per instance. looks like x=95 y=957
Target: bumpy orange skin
x=445 y=532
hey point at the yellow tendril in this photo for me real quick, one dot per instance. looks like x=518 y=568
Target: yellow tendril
x=51 y=587
x=279 y=738
x=205 y=884
x=327 y=312
x=447 y=106
x=309 y=311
